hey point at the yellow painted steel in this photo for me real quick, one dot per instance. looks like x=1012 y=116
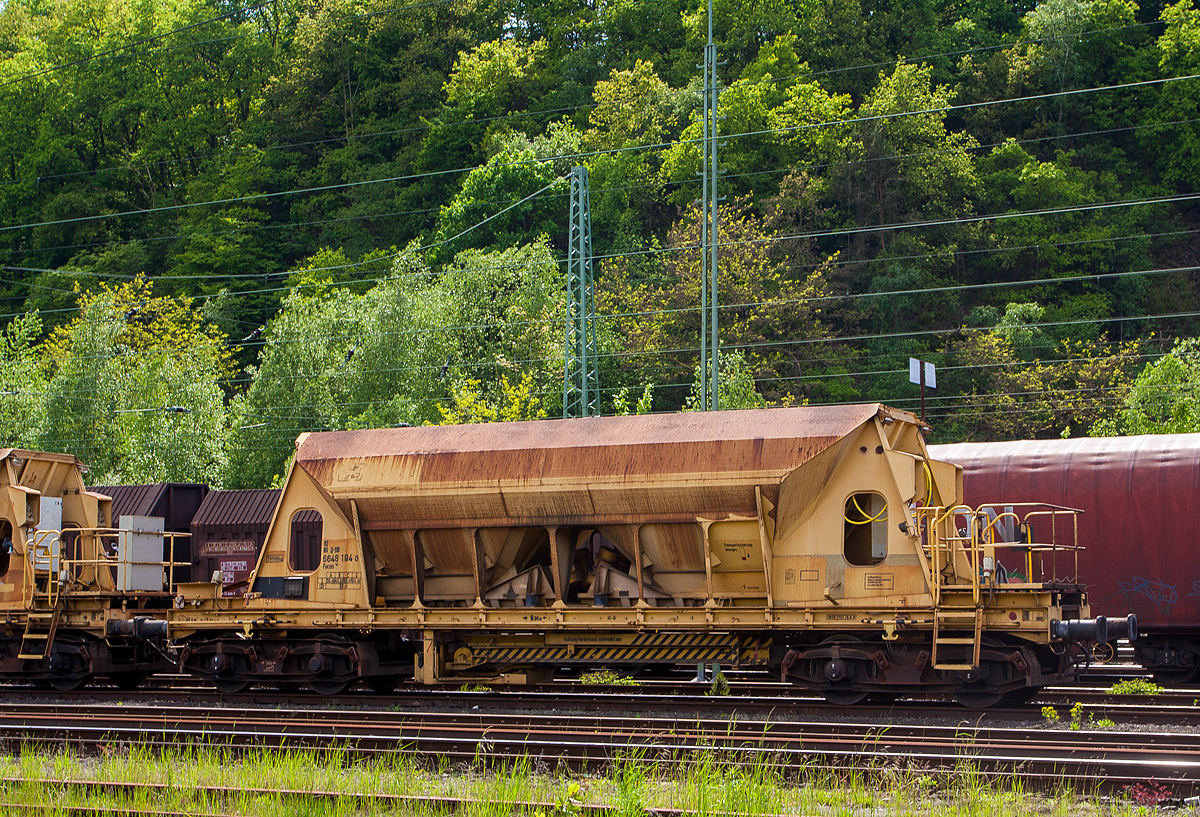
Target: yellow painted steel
x=737 y=525
x=729 y=526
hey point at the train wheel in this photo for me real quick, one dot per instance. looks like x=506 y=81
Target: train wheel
x=230 y=686
x=980 y=699
x=328 y=687
x=67 y=683
x=1176 y=676
x=844 y=697
x=325 y=668
x=127 y=680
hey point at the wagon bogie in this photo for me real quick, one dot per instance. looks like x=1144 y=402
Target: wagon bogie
x=870 y=665
x=327 y=662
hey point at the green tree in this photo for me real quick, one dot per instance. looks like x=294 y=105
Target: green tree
x=735 y=385
x=635 y=113
x=1021 y=384
x=903 y=162
x=515 y=401
x=1175 y=145
x=135 y=388
x=22 y=383
x=336 y=359
x=774 y=115
x=643 y=405
x=655 y=312
x=494 y=198
x=1164 y=398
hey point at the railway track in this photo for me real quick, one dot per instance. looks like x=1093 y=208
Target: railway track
x=1095 y=758
x=780 y=701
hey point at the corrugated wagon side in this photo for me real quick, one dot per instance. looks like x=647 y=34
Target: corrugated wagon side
x=227 y=533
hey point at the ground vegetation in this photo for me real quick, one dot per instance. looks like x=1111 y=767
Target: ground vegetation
x=282 y=217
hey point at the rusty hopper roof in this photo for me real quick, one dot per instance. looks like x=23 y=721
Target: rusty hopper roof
x=176 y=502
x=26 y=454
x=653 y=466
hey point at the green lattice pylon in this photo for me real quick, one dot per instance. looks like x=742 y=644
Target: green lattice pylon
x=581 y=378
x=709 y=199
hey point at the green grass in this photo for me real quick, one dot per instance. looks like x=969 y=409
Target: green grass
x=1135 y=686
x=607 y=677
x=339 y=784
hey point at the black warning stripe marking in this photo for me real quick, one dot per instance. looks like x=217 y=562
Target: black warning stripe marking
x=639 y=656
x=682 y=640
x=718 y=648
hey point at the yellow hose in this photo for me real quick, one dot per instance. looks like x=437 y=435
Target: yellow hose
x=874 y=518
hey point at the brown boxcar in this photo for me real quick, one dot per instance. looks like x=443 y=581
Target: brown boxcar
x=228 y=530
x=1140 y=523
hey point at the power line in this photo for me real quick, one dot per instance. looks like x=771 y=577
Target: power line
x=288 y=145
x=795 y=341
x=587 y=154
x=622 y=253
x=818 y=299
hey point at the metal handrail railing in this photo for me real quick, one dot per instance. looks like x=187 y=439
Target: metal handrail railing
x=979 y=540
x=941 y=543
x=59 y=571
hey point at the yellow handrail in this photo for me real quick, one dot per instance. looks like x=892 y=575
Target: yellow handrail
x=40 y=549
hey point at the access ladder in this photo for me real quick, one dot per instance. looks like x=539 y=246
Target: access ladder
x=955 y=624
x=961 y=627
x=41 y=591
x=40 y=626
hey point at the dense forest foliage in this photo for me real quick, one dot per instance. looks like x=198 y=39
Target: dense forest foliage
x=223 y=223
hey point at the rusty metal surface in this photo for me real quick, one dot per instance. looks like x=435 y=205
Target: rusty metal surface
x=25 y=453
x=1139 y=525
x=228 y=531
x=734 y=441
x=652 y=465
x=176 y=502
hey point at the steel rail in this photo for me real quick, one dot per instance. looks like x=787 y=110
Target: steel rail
x=1104 y=759
x=1170 y=708
x=440 y=804
x=437 y=803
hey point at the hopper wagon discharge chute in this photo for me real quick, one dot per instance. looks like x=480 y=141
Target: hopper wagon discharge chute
x=820 y=542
